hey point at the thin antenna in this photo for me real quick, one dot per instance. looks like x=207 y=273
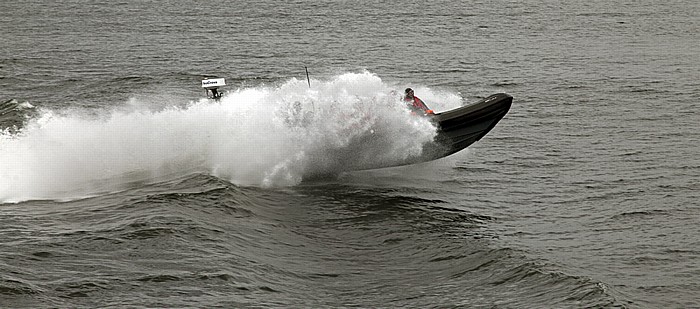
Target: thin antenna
x=307 y=76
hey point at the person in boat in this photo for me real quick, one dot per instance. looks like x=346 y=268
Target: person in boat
x=415 y=104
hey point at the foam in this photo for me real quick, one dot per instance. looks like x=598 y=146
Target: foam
x=261 y=136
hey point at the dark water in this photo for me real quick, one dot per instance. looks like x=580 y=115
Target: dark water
x=121 y=187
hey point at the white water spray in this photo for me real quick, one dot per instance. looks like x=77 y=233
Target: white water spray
x=264 y=136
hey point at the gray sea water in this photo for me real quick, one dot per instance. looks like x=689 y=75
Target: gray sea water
x=121 y=186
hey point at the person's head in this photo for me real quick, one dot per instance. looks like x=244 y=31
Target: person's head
x=409 y=92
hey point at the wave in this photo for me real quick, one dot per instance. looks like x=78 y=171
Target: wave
x=307 y=244
x=261 y=136
x=14 y=114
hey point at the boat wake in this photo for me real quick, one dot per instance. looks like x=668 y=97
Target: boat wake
x=261 y=136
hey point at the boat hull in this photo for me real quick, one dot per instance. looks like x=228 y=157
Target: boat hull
x=461 y=127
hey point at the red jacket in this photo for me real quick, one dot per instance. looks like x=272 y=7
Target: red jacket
x=417 y=105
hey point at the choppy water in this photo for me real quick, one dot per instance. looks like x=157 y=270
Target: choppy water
x=122 y=187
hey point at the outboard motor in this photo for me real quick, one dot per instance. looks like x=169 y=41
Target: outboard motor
x=211 y=87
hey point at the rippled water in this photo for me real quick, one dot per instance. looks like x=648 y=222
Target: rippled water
x=122 y=187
